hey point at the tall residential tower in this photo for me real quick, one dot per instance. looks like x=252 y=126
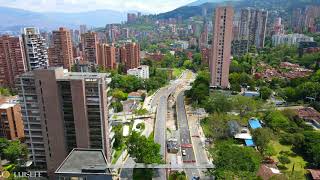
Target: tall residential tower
x=12 y=59
x=221 y=47
x=35 y=49
x=60 y=51
x=62 y=111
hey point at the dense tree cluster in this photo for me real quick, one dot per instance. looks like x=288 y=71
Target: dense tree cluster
x=13 y=151
x=234 y=162
x=144 y=150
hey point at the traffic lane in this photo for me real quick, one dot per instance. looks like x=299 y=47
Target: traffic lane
x=189 y=155
x=160 y=126
x=192 y=173
x=160 y=174
x=185 y=138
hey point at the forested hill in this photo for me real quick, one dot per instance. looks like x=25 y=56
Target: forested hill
x=278 y=5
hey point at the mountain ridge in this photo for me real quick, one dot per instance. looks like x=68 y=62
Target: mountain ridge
x=10 y=18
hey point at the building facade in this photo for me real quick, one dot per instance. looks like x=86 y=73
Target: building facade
x=252 y=27
x=35 y=49
x=62 y=111
x=140 y=72
x=107 y=56
x=89 y=43
x=11 y=124
x=12 y=59
x=290 y=39
x=221 y=47
x=130 y=55
x=61 y=50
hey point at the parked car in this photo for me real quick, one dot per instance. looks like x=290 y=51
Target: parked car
x=184 y=152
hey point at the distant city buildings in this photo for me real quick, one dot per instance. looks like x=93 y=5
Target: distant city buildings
x=61 y=51
x=89 y=43
x=305 y=19
x=221 y=47
x=131 y=17
x=250 y=31
x=290 y=39
x=107 y=56
x=83 y=29
x=35 y=49
x=205 y=55
x=130 y=55
x=62 y=111
x=278 y=28
x=11 y=124
x=140 y=72
x=12 y=59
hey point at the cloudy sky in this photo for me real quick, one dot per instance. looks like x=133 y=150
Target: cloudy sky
x=152 y=6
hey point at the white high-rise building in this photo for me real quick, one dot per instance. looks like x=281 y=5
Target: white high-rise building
x=140 y=72
x=290 y=39
x=35 y=49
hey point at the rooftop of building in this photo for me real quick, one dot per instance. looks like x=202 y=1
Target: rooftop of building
x=84 y=161
x=309 y=113
x=7 y=105
x=8 y=101
x=71 y=75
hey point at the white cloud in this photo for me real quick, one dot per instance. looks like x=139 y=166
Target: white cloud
x=154 y=6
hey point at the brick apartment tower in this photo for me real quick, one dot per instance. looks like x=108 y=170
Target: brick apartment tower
x=62 y=111
x=11 y=124
x=12 y=60
x=130 y=55
x=107 y=56
x=60 y=51
x=221 y=47
x=89 y=43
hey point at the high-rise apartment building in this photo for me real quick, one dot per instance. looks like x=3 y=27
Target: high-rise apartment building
x=107 y=56
x=62 y=111
x=278 y=27
x=203 y=40
x=205 y=55
x=35 y=49
x=89 y=43
x=11 y=124
x=60 y=51
x=12 y=59
x=130 y=55
x=131 y=17
x=83 y=29
x=221 y=47
x=252 y=27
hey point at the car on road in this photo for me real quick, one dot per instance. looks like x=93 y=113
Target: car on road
x=195 y=178
x=184 y=153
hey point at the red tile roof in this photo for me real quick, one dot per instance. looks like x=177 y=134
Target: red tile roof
x=309 y=113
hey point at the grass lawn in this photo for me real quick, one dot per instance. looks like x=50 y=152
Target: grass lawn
x=296 y=160
x=117 y=154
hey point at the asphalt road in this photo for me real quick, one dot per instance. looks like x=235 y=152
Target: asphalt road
x=160 y=132
x=199 y=150
x=185 y=138
x=160 y=100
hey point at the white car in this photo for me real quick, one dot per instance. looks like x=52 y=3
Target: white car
x=184 y=152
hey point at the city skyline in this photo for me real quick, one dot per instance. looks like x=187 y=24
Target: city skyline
x=215 y=89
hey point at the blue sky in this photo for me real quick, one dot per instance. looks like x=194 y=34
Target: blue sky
x=153 y=6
